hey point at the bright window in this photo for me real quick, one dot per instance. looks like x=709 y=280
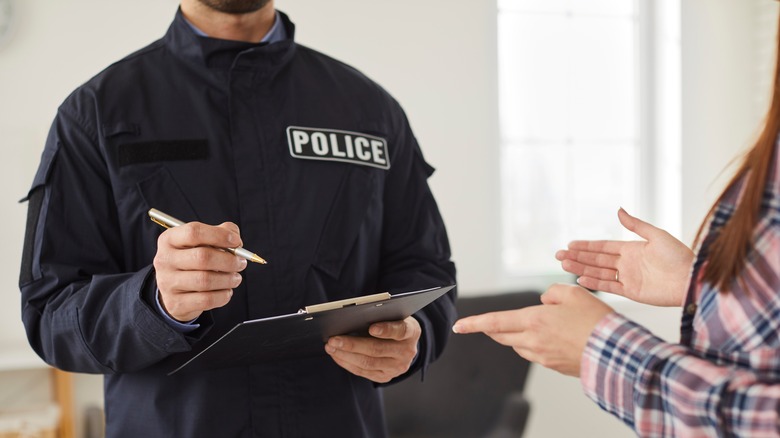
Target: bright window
x=572 y=77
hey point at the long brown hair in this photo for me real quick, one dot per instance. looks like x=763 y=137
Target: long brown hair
x=728 y=253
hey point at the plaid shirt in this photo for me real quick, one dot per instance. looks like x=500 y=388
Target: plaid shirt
x=723 y=378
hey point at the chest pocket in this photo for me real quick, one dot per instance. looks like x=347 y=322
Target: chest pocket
x=160 y=190
x=350 y=214
x=154 y=173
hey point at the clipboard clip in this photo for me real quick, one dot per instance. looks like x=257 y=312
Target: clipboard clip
x=330 y=305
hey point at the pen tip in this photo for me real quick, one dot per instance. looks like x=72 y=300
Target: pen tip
x=258 y=259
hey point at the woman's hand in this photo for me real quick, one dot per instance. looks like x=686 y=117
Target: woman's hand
x=654 y=271
x=553 y=335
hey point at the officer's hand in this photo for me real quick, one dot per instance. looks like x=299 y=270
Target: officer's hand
x=193 y=274
x=388 y=353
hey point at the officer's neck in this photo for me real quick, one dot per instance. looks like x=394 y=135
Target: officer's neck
x=250 y=27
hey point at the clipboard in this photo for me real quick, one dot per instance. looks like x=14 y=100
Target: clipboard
x=304 y=333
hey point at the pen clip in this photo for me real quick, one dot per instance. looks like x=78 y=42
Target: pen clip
x=158 y=222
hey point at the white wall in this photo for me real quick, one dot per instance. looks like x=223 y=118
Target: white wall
x=719 y=110
x=56 y=47
x=437 y=57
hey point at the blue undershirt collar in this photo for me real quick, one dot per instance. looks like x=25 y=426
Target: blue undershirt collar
x=274 y=35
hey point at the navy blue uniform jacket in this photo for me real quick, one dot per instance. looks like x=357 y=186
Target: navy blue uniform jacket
x=201 y=129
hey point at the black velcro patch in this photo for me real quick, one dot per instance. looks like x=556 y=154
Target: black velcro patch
x=171 y=150
x=26 y=274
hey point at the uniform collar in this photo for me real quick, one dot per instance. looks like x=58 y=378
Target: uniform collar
x=275 y=34
x=184 y=42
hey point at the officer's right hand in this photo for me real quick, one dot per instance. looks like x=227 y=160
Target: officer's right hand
x=193 y=274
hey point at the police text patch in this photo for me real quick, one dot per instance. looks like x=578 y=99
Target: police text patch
x=337 y=145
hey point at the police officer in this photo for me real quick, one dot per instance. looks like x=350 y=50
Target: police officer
x=226 y=120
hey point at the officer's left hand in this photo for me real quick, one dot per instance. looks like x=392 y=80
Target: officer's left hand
x=386 y=354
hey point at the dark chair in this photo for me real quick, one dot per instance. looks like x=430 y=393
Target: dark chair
x=474 y=390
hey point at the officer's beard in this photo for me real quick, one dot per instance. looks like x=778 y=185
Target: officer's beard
x=235 y=6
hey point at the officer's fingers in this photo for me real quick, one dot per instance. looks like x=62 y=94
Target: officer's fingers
x=409 y=328
x=202 y=258
x=195 y=246
x=380 y=367
x=365 y=346
x=403 y=351
x=197 y=281
x=186 y=306
x=233 y=228
x=171 y=262
x=353 y=364
x=196 y=234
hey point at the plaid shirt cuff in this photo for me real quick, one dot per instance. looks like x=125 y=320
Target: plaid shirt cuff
x=616 y=353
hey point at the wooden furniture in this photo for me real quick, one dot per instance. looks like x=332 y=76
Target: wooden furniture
x=63 y=394
x=21 y=358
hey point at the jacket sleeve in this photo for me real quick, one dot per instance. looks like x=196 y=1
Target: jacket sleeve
x=663 y=389
x=83 y=305
x=415 y=250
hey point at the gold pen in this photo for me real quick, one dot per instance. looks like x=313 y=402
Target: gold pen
x=168 y=221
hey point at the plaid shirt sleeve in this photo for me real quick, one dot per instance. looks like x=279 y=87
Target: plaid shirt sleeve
x=662 y=389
